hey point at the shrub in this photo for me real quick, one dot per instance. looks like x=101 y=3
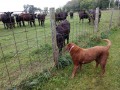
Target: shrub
x=34 y=81
x=94 y=40
x=63 y=62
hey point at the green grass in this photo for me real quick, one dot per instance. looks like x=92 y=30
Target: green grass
x=34 y=47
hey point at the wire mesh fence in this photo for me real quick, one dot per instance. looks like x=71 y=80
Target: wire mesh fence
x=26 y=50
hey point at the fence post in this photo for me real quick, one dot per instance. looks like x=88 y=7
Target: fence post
x=109 y=4
x=118 y=5
x=53 y=31
x=111 y=20
x=96 y=19
x=119 y=18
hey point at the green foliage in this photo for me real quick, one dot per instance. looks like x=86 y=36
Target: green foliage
x=104 y=35
x=34 y=81
x=94 y=40
x=30 y=8
x=63 y=62
x=76 y=5
x=87 y=4
x=103 y=4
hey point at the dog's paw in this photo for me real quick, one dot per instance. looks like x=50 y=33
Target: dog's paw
x=72 y=77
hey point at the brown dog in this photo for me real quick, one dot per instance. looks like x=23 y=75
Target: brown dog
x=82 y=56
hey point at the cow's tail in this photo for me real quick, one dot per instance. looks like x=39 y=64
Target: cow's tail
x=109 y=43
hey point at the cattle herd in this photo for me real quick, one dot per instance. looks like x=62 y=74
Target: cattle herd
x=62 y=24
x=9 y=19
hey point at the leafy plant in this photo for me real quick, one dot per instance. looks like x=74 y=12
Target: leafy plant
x=104 y=35
x=94 y=40
x=63 y=62
x=34 y=81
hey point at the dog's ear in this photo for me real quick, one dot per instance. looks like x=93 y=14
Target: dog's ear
x=68 y=46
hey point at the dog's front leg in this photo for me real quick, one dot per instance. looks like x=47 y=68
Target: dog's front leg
x=74 y=70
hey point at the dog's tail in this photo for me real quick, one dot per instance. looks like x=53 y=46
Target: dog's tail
x=109 y=43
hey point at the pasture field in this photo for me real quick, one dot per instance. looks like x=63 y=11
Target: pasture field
x=28 y=50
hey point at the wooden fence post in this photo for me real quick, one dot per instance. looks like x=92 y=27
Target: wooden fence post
x=118 y=5
x=110 y=25
x=119 y=18
x=53 y=31
x=96 y=20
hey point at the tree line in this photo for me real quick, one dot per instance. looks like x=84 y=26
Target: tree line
x=32 y=9
x=76 y=5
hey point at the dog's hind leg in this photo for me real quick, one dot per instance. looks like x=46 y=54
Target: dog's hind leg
x=103 y=69
x=97 y=63
x=103 y=64
x=74 y=70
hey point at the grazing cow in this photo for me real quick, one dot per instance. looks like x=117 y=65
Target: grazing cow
x=8 y=20
x=90 y=15
x=41 y=19
x=61 y=16
x=18 y=19
x=83 y=15
x=62 y=30
x=30 y=18
x=71 y=15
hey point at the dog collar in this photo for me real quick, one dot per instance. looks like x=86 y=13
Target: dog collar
x=71 y=48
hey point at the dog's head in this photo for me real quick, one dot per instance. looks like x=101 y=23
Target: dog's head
x=69 y=46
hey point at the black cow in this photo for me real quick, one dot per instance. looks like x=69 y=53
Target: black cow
x=83 y=15
x=63 y=30
x=41 y=19
x=90 y=15
x=8 y=20
x=60 y=16
x=30 y=18
x=18 y=19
